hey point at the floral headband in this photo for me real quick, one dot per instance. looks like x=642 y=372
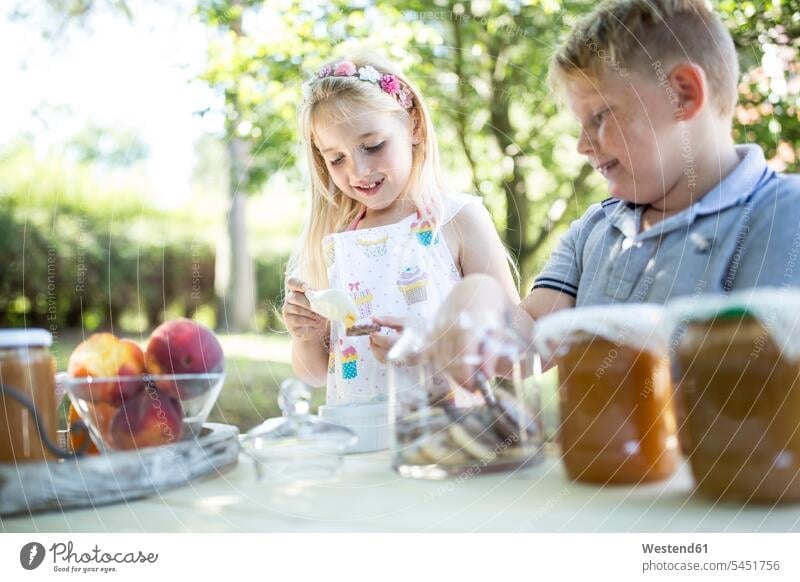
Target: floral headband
x=388 y=83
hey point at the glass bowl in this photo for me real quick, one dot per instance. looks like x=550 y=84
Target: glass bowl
x=128 y=412
x=297 y=446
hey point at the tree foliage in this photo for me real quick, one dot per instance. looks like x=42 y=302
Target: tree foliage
x=767 y=36
x=482 y=66
x=483 y=74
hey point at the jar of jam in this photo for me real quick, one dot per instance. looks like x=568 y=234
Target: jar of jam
x=615 y=394
x=27 y=376
x=737 y=370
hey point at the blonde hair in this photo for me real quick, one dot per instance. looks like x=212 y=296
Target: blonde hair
x=340 y=99
x=638 y=34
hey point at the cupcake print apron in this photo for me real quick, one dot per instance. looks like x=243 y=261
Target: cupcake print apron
x=400 y=270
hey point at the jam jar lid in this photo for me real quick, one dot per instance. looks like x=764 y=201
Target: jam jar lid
x=29 y=337
x=639 y=325
x=776 y=308
x=297 y=436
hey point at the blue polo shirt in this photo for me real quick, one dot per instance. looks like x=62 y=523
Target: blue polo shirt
x=743 y=233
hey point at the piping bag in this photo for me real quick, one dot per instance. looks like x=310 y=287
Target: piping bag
x=333 y=304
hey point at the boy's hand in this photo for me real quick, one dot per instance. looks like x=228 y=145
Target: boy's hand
x=460 y=347
x=302 y=323
x=381 y=344
x=469 y=324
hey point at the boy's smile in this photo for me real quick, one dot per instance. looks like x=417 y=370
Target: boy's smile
x=607 y=167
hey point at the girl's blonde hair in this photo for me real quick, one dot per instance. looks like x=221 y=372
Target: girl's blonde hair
x=339 y=99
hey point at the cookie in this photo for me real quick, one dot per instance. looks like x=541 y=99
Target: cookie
x=487 y=436
x=478 y=425
x=437 y=449
x=470 y=445
x=503 y=424
x=515 y=413
x=410 y=454
x=519 y=453
x=414 y=457
x=363 y=329
x=417 y=424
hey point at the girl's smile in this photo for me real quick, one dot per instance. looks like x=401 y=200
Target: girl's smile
x=371 y=188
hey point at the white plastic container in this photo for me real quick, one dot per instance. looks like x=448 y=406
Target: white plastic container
x=368 y=420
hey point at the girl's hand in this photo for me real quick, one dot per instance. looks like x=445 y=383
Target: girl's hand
x=302 y=323
x=381 y=344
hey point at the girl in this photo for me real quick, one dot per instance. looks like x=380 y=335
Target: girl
x=380 y=226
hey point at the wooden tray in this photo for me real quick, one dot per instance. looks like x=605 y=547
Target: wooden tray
x=120 y=476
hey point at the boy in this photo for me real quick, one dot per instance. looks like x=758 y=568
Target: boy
x=654 y=87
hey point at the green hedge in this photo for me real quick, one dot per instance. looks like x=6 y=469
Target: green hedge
x=76 y=273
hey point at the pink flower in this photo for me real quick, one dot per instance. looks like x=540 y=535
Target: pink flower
x=390 y=84
x=325 y=71
x=344 y=69
x=405 y=98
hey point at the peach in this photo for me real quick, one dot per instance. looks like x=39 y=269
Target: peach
x=103 y=355
x=101 y=415
x=150 y=418
x=183 y=346
x=76 y=438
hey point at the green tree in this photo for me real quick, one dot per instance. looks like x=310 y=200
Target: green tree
x=112 y=147
x=488 y=76
x=482 y=71
x=767 y=36
x=482 y=65
x=235 y=280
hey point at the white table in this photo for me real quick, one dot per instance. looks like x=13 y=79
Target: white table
x=369 y=496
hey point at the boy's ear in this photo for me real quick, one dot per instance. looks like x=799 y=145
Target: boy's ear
x=691 y=87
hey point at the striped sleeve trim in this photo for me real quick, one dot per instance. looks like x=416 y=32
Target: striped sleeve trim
x=555 y=284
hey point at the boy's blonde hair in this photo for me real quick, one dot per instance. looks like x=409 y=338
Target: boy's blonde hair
x=339 y=99
x=641 y=35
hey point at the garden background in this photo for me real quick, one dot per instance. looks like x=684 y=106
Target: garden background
x=150 y=166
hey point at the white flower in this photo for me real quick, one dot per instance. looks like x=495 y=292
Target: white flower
x=369 y=73
x=307 y=87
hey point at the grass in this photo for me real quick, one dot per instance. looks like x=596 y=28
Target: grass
x=255 y=366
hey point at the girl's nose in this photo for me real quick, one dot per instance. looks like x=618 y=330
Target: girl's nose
x=361 y=166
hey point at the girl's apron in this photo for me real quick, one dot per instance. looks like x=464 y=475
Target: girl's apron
x=400 y=270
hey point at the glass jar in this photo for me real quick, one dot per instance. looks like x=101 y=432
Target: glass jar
x=737 y=370
x=27 y=380
x=443 y=429
x=615 y=394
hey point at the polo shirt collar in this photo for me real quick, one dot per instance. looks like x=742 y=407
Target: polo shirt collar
x=625 y=216
x=745 y=178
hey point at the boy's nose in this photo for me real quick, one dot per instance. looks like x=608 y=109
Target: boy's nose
x=585 y=145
